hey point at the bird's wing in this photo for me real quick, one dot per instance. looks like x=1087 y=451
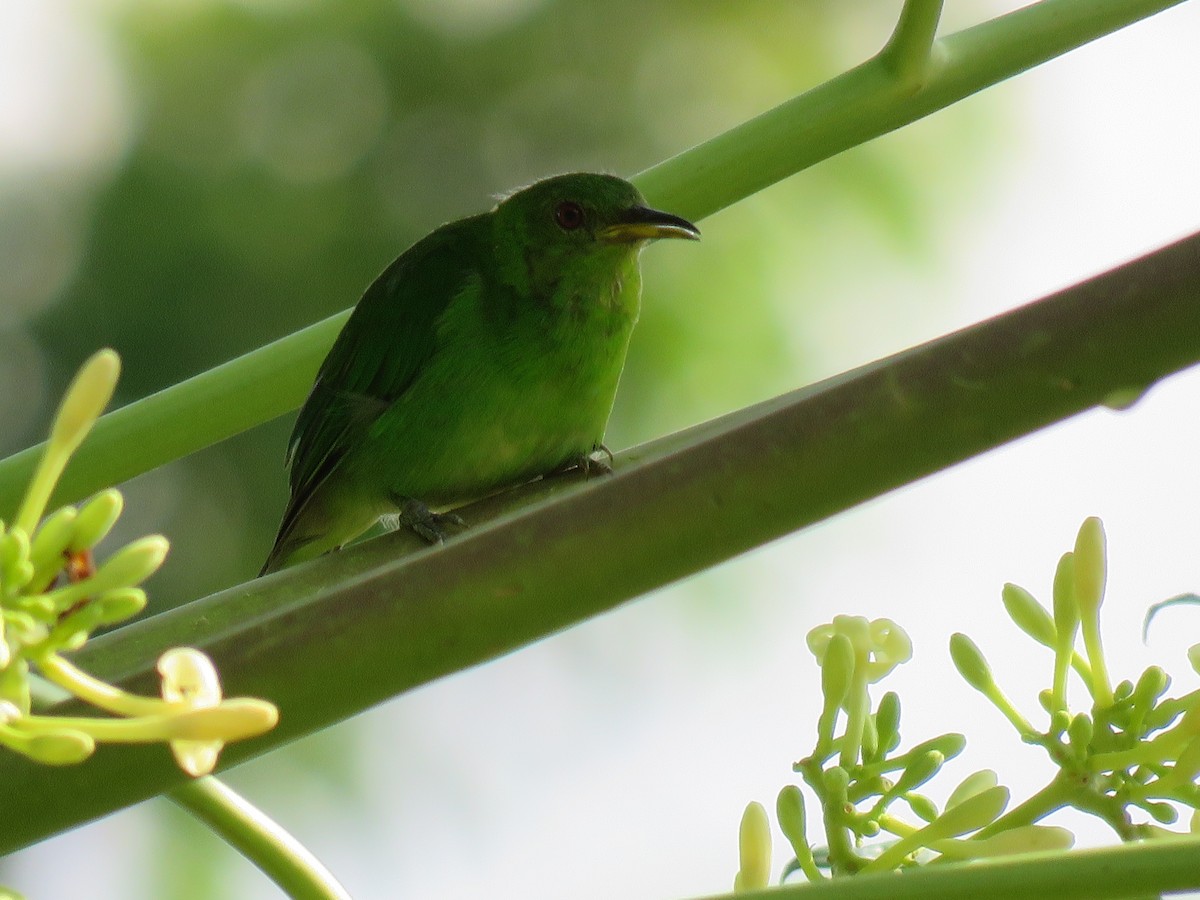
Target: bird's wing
x=383 y=346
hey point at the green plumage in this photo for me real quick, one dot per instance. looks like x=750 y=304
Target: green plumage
x=487 y=354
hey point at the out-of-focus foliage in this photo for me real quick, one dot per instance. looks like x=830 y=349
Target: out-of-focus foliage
x=221 y=173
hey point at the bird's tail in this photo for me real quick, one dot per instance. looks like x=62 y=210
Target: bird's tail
x=315 y=527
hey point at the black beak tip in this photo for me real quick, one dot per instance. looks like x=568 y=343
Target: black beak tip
x=645 y=215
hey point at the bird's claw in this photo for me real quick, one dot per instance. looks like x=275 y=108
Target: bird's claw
x=589 y=464
x=431 y=526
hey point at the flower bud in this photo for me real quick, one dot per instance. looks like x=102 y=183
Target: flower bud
x=132 y=564
x=60 y=748
x=923 y=808
x=1162 y=812
x=52 y=746
x=970 y=662
x=88 y=394
x=919 y=770
x=949 y=745
x=86 y=397
x=837 y=670
x=16 y=570
x=975 y=783
x=73 y=629
x=1066 y=611
x=1079 y=734
x=754 y=850
x=1090 y=567
x=96 y=518
x=789 y=810
x=869 y=740
x=971 y=814
x=120 y=604
x=51 y=540
x=1028 y=615
x=1022 y=839
x=229 y=720
x=887 y=722
x=1152 y=684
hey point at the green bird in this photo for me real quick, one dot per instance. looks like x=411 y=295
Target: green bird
x=486 y=355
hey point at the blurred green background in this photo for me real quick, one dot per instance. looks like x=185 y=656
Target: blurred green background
x=185 y=180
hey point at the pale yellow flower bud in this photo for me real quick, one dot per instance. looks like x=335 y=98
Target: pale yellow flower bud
x=86 y=398
x=96 y=518
x=754 y=850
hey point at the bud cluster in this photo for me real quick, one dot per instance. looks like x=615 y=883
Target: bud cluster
x=1132 y=759
x=1134 y=748
x=53 y=595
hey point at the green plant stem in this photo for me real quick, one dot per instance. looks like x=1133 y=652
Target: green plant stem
x=1113 y=873
x=832 y=798
x=872 y=99
x=333 y=637
x=1055 y=795
x=1100 y=684
x=909 y=52
x=261 y=840
x=1000 y=700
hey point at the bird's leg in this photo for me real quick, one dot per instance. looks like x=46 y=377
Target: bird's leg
x=605 y=466
x=420 y=518
x=589 y=464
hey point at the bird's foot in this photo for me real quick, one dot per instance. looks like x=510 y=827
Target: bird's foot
x=431 y=526
x=589 y=464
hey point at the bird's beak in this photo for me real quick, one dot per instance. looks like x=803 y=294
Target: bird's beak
x=640 y=223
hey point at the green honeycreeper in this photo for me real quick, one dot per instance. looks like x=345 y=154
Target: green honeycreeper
x=486 y=355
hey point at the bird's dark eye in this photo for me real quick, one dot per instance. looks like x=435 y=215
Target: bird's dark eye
x=568 y=215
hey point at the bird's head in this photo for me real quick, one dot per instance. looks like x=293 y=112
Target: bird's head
x=573 y=225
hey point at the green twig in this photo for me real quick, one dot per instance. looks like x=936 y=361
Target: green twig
x=1055 y=795
x=261 y=840
x=909 y=51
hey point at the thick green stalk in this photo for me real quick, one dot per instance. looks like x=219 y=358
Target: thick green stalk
x=900 y=85
x=279 y=855
x=330 y=638
x=1126 y=871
